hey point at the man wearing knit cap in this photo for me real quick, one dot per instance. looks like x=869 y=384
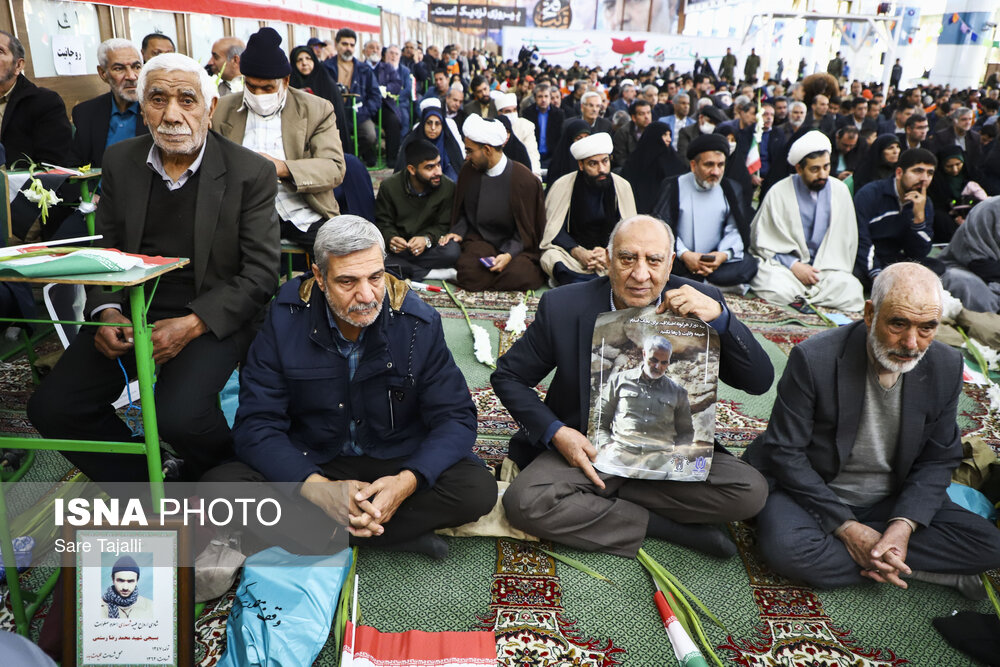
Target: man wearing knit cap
x=524 y=130
x=498 y=214
x=581 y=209
x=121 y=599
x=805 y=234
x=296 y=131
x=710 y=222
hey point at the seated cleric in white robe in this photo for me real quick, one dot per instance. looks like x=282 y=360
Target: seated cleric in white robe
x=805 y=234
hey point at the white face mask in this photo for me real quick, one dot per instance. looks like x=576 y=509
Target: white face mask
x=706 y=128
x=732 y=147
x=512 y=116
x=264 y=105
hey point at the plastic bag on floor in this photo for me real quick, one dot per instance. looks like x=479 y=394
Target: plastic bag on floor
x=284 y=608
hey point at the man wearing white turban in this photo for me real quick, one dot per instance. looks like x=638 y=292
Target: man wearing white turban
x=805 y=234
x=581 y=209
x=498 y=214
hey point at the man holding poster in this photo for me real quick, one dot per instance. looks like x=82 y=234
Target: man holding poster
x=559 y=495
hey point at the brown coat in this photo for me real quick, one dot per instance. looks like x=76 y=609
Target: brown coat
x=309 y=135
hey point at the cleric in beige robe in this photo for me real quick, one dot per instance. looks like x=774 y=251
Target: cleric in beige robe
x=581 y=209
x=805 y=234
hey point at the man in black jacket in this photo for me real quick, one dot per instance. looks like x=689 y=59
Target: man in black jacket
x=548 y=120
x=113 y=116
x=34 y=123
x=708 y=217
x=559 y=495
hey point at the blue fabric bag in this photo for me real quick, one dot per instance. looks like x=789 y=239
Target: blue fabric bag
x=284 y=608
x=972 y=500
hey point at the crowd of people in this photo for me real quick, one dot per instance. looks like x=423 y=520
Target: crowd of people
x=619 y=189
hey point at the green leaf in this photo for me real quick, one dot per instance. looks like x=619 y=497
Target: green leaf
x=572 y=562
x=976 y=353
x=991 y=593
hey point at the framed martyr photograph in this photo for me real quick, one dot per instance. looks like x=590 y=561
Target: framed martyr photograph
x=127 y=601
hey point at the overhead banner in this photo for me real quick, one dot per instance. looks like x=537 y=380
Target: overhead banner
x=598 y=48
x=475 y=17
x=332 y=14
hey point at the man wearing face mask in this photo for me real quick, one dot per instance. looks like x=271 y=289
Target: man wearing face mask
x=581 y=208
x=709 y=117
x=295 y=130
x=522 y=128
x=711 y=223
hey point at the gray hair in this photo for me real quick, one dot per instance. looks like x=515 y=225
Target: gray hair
x=177 y=62
x=542 y=88
x=960 y=112
x=235 y=49
x=797 y=105
x=650 y=88
x=887 y=279
x=343 y=235
x=681 y=96
x=627 y=221
x=590 y=93
x=113 y=44
x=703 y=102
x=16 y=48
x=654 y=343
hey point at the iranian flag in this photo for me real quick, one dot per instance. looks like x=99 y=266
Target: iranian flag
x=753 y=157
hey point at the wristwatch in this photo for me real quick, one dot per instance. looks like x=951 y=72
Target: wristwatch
x=428 y=241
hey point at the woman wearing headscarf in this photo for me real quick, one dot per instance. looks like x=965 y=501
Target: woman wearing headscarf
x=953 y=192
x=432 y=129
x=562 y=161
x=514 y=149
x=881 y=163
x=311 y=75
x=653 y=160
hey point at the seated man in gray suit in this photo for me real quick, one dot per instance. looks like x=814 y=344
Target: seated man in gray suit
x=860 y=449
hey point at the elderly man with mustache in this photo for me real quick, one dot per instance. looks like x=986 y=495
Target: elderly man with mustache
x=181 y=191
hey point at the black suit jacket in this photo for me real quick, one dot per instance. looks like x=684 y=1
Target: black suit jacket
x=602 y=124
x=560 y=339
x=552 y=131
x=92 y=120
x=35 y=125
x=236 y=240
x=866 y=124
x=973 y=147
x=815 y=419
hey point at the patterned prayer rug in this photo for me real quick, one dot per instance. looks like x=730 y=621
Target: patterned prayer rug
x=527 y=615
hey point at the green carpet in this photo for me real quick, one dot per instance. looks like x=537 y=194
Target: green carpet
x=546 y=613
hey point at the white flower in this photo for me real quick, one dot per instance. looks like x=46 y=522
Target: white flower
x=518 y=314
x=481 y=345
x=994 y=395
x=990 y=356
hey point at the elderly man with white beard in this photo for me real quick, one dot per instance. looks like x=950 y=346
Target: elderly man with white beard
x=182 y=191
x=859 y=454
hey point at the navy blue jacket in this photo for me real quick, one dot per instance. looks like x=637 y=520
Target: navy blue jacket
x=364 y=86
x=408 y=398
x=887 y=234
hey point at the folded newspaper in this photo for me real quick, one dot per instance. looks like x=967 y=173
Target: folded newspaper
x=78 y=262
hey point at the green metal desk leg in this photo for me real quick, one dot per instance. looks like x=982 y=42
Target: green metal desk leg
x=144 y=365
x=86 y=196
x=10 y=569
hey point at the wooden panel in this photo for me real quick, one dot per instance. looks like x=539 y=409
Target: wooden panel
x=6 y=18
x=74 y=89
x=182 y=34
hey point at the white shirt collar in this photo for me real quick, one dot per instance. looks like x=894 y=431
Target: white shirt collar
x=498 y=168
x=155 y=162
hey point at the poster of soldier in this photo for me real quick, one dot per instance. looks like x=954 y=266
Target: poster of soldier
x=654 y=380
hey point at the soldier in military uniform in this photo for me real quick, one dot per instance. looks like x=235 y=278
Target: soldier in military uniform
x=644 y=416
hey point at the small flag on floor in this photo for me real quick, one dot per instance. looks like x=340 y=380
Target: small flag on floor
x=416 y=648
x=687 y=653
